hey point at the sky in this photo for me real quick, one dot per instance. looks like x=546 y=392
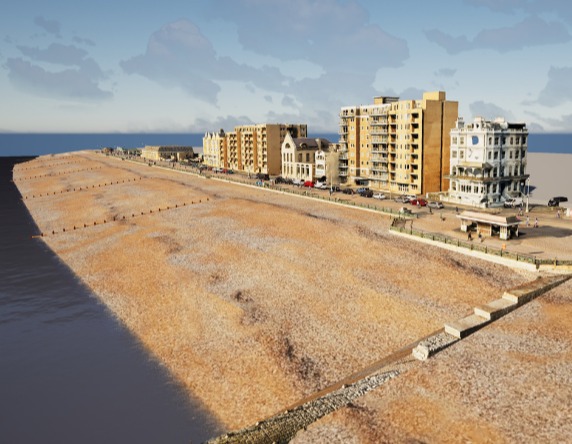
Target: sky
x=202 y=65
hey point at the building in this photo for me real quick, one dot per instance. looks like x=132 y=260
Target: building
x=167 y=152
x=250 y=148
x=214 y=149
x=399 y=146
x=488 y=162
x=304 y=158
x=485 y=224
x=328 y=163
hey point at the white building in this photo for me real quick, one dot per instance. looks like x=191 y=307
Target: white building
x=488 y=162
x=298 y=156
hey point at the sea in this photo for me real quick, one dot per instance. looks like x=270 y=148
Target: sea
x=70 y=372
x=36 y=144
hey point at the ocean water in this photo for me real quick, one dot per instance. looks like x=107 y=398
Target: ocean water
x=69 y=371
x=17 y=144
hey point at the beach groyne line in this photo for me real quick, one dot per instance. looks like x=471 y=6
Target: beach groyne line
x=61 y=173
x=119 y=218
x=82 y=188
x=283 y=427
x=49 y=165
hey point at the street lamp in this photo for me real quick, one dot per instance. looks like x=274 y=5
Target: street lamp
x=527 y=192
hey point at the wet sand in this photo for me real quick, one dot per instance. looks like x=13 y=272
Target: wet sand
x=253 y=300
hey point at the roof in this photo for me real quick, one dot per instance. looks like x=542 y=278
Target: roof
x=487 y=218
x=168 y=148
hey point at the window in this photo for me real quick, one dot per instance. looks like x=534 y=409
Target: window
x=462 y=140
x=454 y=154
x=496 y=140
x=490 y=154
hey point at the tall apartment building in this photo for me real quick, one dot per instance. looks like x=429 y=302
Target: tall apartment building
x=400 y=146
x=251 y=148
x=488 y=162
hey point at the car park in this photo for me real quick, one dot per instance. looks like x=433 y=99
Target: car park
x=435 y=204
x=555 y=201
x=379 y=196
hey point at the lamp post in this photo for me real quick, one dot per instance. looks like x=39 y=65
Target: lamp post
x=527 y=192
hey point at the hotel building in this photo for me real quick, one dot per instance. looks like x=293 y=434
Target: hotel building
x=488 y=162
x=400 y=146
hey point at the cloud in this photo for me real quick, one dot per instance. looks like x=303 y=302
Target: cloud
x=226 y=123
x=489 y=111
x=50 y=26
x=65 y=55
x=74 y=84
x=532 y=31
x=445 y=72
x=179 y=55
x=319 y=31
x=558 y=89
x=83 y=41
x=561 y=124
x=559 y=8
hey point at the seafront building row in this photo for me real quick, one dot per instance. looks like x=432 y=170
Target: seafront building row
x=395 y=146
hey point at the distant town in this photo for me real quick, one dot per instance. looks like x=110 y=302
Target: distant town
x=397 y=147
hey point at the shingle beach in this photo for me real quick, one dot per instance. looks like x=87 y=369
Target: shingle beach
x=255 y=299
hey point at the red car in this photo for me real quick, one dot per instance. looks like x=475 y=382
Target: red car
x=418 y=202
x=309 y=184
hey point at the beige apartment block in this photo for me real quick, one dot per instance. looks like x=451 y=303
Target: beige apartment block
x=399 y=146
x=256 y=148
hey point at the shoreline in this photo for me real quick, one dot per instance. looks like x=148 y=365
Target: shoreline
x=267 y=297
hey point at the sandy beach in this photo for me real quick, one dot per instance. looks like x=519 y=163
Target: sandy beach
x=254 y=299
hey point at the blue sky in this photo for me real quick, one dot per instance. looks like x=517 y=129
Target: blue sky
x=191 y=66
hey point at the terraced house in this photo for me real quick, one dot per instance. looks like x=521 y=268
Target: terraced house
x=399 y=146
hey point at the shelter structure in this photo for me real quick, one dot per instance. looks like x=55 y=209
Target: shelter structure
x=489 y=224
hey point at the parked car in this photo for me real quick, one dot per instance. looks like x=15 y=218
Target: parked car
x=348 y=191
x=297 y=182
x=402 y=199
x=436 y=205
x=321 y=186
x=555 y=201
x=418 y=202
x=279 y=179
x=362 y=190
x=512 y=202
x=366 y=193
x=379 y=196
x=309 y=184
x=262 y=176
